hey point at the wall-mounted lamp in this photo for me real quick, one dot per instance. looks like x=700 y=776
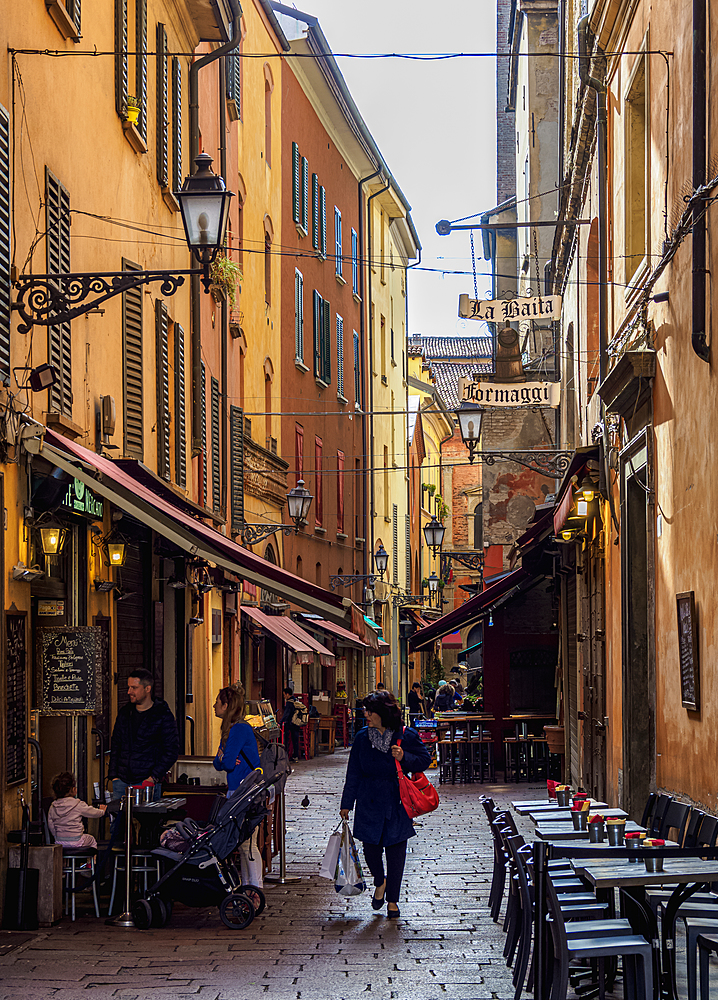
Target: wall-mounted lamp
x=586 y=490
x=52 y=538
x=40 y=378
x=434 y=533
x=381 y=560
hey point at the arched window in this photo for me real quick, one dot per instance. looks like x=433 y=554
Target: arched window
x=241 y=201
x=299 y=566
x=478 y=527
x=268 y=379
x=268 y=237
x=268 y=88
x=318 y=574
x=270 y=555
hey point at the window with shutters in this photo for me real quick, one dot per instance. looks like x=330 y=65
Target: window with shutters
x=141 y=64
x=299 y=451
x=340 y=358
x=337 y=242
x=236 y=461
x=67 y=17
x=340 y=492
x=296 y=185
x=4 y=247
x=132 y=368
x=322 y=341
x=204 y=456
x=395 y=544
x=305 y=196
x=267 y=268
x=357 y=372
x=407 y=550
x=162 y=376
x=121 y=60
x=315 y=211
x=216 y=482
x=319 y=482
x=298 y=316
x=176 y=124
x=268 y=88
x=162 y=151
x=233 y=71
x=57 y=225
x=180 y=400
x=322 y=222
x=355 y=262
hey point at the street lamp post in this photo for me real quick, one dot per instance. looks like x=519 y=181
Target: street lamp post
x=434 y=534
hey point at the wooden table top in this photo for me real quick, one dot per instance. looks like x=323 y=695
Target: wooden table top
x=583 y=844
x=524 y=808
x=615 y=874
x=565 y=831
x=564 y=815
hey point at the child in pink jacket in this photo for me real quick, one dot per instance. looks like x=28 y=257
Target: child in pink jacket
x=67 y=811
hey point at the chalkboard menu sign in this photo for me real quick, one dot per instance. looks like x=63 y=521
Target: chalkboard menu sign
x=16 y=717
x=69 y=660
x=688 y=650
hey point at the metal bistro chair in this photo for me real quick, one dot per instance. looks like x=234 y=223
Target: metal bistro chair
x=143 y=864
x=662 y=804
x=675 y=818
x=78 y=861
x=707 y=946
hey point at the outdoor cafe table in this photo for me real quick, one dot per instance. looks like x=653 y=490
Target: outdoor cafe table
x=542 y=806
x=151 y=816
x=564 y=815
x=565 y=831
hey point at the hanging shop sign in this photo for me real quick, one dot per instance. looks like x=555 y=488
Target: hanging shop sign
x=69 y=661
x=81 y=500
x=518 y=395
x=538 y=307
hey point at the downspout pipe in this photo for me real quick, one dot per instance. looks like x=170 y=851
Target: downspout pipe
x=196 y=353
x=698 y=288
x=224 y=327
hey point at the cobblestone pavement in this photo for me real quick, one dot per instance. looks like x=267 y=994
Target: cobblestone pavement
x=309 y=944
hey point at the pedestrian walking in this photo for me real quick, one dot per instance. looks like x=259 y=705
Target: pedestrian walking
x=238 y=756
x=291 y=732
x=371 y=788
x=417 y=705
x=66 y=813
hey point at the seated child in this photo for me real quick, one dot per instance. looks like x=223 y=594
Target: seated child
x=66 y=812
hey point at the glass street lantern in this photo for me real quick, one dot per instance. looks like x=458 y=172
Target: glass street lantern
x=381 y=560
x=586 y=489
x=204 y=203
x=116 y=549
x=470 y=416
x=434 y=534
x=299 y=500
x=52 y=537
x=433 y=583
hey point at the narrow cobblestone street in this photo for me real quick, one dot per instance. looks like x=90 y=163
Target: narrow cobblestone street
x=309 y=944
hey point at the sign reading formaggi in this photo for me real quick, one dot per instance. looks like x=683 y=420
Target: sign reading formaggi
x=540 y=307
x=521 y=394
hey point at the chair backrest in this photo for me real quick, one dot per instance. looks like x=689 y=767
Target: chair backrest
x=558 y=927
x=662 y=803
x=489 y=807
x=708 y=832
x=675 y=818
x=693 y=828
x=648 y=810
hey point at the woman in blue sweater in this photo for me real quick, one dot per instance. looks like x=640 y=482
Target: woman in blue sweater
x=238 y=756
x=372 y=790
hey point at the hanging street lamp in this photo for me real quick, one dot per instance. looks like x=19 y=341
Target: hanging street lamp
x=52 y=538
x=299 y=500
x=434 y=534
x=470 y=416
x=381 y=560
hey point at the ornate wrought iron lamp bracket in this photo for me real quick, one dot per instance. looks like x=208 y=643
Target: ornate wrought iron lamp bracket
x=472 y=560
x=400 y=600
x=550 y=462
x=345 y=580
x=254 y=533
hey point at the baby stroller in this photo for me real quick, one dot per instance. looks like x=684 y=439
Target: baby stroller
x=204 y=872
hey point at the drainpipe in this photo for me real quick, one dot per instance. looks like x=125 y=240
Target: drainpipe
x=224 y=322
x=698 y=335
x=194 y=69
x=362 y=330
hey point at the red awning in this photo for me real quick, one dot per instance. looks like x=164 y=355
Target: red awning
x=452 y=641
x=384 y=649
x=342 y=635
x=187 y=532
x=564 y=497
x=326 y=656
x=292 y=635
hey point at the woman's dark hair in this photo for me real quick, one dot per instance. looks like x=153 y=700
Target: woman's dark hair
x=63 y=783
x=385 y=706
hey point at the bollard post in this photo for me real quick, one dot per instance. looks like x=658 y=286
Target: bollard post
x=125 y=919
x=282 y=878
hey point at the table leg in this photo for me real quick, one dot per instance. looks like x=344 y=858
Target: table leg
x=643 y=922
x=668 y=944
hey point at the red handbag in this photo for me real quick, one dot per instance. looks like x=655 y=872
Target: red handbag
x=418 y=795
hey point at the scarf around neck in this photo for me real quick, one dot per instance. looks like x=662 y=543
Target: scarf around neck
x=381 y=741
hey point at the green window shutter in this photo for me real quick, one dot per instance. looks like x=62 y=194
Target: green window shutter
x=57 y=225
x=180 y=406
x=315 y=211
x=323 y=224
x=298 y=315
x=337 y=241
x=216 y=484
x=340 y=356
x=355 y=262
x=162 y=376
x=233 y=67
x=162 y=110
x=317 y=316
x=326 y=343
x=121 y=61
x=357 y=371
x=176 y=124
x=132 y=368
x=4 y=247
x=296 y=184
x=141 y=65
x=203 y=390
x=236 y=447
x=305 y=194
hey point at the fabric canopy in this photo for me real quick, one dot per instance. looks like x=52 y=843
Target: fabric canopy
x=343 y=636
x=293 y=636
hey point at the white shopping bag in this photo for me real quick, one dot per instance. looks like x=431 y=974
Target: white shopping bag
x=331 y=855
x=349 y=878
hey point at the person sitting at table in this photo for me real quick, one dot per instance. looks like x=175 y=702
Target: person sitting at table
x=66 y=813
x=238 y=756
x=444 y=697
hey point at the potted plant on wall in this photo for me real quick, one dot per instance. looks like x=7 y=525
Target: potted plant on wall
x=224 y=274
x=133 y=106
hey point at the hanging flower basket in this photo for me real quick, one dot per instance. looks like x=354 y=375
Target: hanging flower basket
x=555 y=739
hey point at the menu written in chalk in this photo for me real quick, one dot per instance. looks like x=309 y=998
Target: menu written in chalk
x=688 y=649
x=69 y=661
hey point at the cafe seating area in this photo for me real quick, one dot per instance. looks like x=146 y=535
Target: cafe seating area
x=599 y=916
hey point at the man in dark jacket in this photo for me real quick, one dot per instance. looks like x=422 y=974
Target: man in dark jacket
x=145 y=743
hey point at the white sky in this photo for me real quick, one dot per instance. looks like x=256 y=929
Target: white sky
x=434 y=123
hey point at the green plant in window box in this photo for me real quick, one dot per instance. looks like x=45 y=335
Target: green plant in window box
x=224 y=274
x=133 y=106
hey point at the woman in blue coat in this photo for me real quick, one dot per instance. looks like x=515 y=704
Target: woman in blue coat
x=372 y=790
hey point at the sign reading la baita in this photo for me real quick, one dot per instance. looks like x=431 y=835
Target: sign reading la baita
x=539 y=307
x=517 y=394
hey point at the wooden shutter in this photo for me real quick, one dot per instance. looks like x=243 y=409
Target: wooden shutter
x=216 y=484
x=236 y=461
x=162 y=115
x=340 y=356
x=323 y=223
x=233 y=68
x=340 y=492
x=4 y=248
x=305 y=194
x=176 y=123
x=357 y=371
x=141 y=64
x=317 y=319
x=162 y=375
x=337 y=241
x=315 y=211
x=395 y=544
x=326 y=375
x=407 y=550
x=296 y=185
x=57 y=212
x=298 y=315
x=319 y=488
x=180 y=418
x=203 y=390
x=121 y=62
x=299 y=450
x=132 y=368
x=74 y=9
x=355 y=262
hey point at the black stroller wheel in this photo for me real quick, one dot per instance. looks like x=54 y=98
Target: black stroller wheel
x=236 y=911
x=160 y=911
x=259 y=900
x=142 y=914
